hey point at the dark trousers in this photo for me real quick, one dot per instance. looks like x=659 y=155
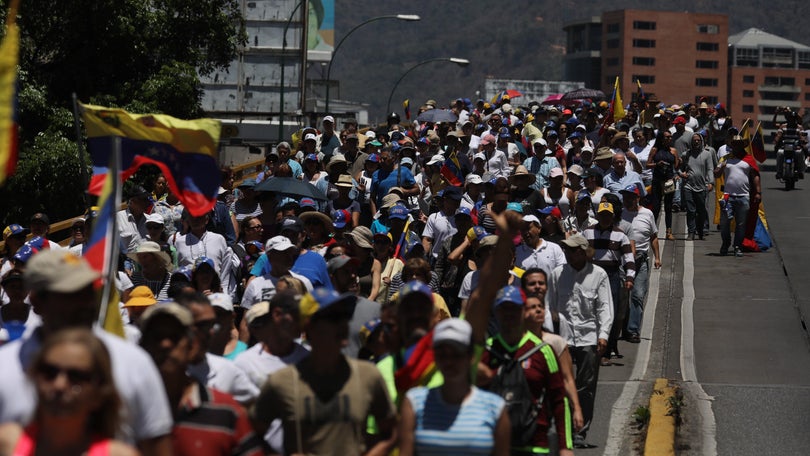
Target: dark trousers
x=619 y=310
x=657 y=195
x=586 y=363
x=696 y=214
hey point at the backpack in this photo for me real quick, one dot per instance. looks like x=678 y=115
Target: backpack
x=510 y=383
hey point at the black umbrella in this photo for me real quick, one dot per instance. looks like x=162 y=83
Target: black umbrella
x=288 y=186
x=584 y=94
x=437 y=115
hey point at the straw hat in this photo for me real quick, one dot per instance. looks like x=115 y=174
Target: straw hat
x=521 y=172
x=153 y=248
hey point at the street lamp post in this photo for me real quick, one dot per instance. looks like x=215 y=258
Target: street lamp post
x=401 y=17
x=457 y=61
x=283 y=57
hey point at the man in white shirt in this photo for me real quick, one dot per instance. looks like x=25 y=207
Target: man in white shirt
x=62 y=294
x=40 y=226
x=132 y=220
x=534 y=252
x=441 y=225
x=281 y=253
x=645 y=235
x=580 y=291
x=497 y=164
x=275 y=324
x=198 y=243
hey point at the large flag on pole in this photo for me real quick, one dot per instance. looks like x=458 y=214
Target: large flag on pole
x=640 y=96
x=9 y=56
x=101 y=250
x=184 y=150
x=615 y=109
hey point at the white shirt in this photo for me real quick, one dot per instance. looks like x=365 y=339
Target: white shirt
x=469 y=283
x=147 y=414
x=438 y=228
x=584 y=299
x=644 y=227
x=223 y=375
x=190 y=248
x=131 y=232
x=258 y=363
x=547 y=256
x=497 y=165
x=263 y=288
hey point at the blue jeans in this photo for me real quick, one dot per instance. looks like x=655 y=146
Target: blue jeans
x=639 y=294
x=739 y=206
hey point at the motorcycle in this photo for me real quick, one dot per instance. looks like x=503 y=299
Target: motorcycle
x=790 y=169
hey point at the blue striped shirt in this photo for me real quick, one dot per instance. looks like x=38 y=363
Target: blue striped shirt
x=443 y=428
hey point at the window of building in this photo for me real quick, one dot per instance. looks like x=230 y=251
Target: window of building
x=702 y=46
x=639 y=43
x=644 y=25
x=804 y=60
x=644 y=78
x=613 y=28
x=807 y=96
x=777 y=57
x=613 y=43
x=613 y=61
x=779 y=81
x=711 y=29
x=746 y=57
x=711 y=64
x=748 y=78
x=644 y=61
x=706 y=82
x=748 y=94
x=748 y=108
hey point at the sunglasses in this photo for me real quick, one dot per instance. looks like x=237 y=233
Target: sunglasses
x=51 y=372
x=207 y=326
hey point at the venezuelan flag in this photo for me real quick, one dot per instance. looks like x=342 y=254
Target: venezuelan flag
x=616 y=102
x=758 y=144
x=406 y=105
x=9 y=56
x=184 y=150
x=101 y=250
x=451 y=170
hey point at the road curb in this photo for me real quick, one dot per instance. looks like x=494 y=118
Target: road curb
x=661 y=431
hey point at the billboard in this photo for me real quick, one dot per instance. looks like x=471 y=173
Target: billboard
x=320 y=30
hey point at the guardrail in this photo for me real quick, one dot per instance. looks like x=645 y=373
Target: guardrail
x=241 y=172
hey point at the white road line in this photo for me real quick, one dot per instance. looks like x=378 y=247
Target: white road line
x=622 y=408
x=688 y=371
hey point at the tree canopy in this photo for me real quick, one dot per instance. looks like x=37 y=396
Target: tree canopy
x=141 y=55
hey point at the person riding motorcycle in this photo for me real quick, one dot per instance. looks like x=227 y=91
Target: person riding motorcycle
x=789 y=136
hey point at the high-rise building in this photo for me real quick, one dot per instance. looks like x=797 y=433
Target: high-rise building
x=678 y=56
x=765 y=72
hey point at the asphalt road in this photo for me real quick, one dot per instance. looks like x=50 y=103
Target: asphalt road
x=744 y=344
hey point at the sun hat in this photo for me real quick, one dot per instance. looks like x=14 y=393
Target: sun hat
x=140 y=296
x=153 y=248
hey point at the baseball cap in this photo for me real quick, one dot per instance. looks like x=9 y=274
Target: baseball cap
x=14 y=274
x=511 y=294
x=172 y=309
x=14 y=230
x=633 y=188
x=373 y=158
x=339 y=261
x=463 y=211
x=340 y=218
x=576 y=170
x=279 y=244
x=221 y=300
x=324 y=304
x=531 y=219
x=203 y=261
x=311 y=157
x=407 y=161
x=540 y=141
x=40 y=217
x=453 y=331
x=453 y=193
x=476 y=233
x=398 y=211
x=488 y=139
x=415 y=287
x=291 y=223
x=555 y=172
x=473 y=179
x=58 y=271
x=184 y=271
x=154 y=217
x=307 y=202
x=329 y=119
x=479 y=156
x=583 y=194
x=605 y=207
x=517 y=207
x=575 y=241
x=437 y=159
x=310 y=137
x=140 y=296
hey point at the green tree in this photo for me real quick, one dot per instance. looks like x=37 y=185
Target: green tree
x=141 y=55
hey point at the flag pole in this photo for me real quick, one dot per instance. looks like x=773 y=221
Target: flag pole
x=79 y=148
x=112 y=239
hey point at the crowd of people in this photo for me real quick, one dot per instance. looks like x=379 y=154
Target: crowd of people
x=429 y=288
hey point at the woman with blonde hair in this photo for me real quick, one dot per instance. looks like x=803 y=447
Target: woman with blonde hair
x=78 y=406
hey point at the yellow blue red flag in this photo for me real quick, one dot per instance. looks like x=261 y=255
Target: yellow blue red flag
x=101 y=250
x=616 y=103
x=9 y=57
x=185 y=150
